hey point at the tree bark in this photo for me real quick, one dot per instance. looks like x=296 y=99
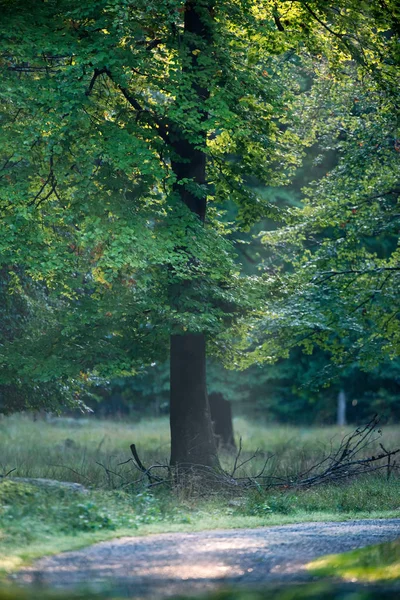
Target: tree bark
x=192 y=438
x=221 y=417
x=341 y=408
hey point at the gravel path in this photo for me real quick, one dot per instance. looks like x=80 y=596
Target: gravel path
x=167 y=564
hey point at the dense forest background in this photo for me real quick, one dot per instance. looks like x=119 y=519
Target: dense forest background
x=275 y=393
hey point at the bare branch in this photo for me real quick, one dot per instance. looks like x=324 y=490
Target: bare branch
x=8 y=473
x=237 y=457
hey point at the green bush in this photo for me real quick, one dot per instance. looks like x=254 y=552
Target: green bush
x=86 y=517
x=12 y=492
x=149 y=508
x=261 y=504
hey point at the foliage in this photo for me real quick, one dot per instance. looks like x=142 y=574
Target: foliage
x=88 y=198
x=302 y=388
x=25 y=505
x=95 y=97
x=25 y=315
x=357 y=498
x=339 y=288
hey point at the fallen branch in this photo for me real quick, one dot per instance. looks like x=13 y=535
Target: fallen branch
x=138 y=463
x=350 y=459
x=8 y=473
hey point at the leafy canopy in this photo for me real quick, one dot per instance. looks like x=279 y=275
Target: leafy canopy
x=94 y=96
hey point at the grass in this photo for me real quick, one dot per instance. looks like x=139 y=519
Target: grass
x=372 y=564
x=309 y=592
x=314 y=591
x=70 y=450
x=36 y=520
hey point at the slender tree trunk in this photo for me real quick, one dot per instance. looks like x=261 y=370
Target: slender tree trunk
x=192 y=439
x=341 y=408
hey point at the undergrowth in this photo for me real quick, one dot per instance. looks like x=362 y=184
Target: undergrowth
x=36 y=520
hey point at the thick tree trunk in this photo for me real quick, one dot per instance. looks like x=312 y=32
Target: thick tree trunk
x=221 y=417
x=192 y=438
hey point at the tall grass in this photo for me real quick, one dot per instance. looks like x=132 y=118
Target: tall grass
x=71 y=450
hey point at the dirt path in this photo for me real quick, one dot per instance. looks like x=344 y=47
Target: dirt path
x=167 y=564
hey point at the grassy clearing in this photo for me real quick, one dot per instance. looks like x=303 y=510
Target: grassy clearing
x=69 y=450
x=35 y=520
x=372 y=564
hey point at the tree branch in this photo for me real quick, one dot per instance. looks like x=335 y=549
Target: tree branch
x=161 y=127
x=150 y=45
x=132 y=101
x=96 y=74
x=330 y=274
x=313 y=14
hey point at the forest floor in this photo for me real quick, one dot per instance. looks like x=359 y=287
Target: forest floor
x=37 y=521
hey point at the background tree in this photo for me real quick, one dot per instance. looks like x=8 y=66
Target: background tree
x=341 y=249
x=25 y=315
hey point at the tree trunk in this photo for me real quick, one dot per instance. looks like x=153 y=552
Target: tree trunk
x=341 y=408
x=192 y=438
x=221 y=417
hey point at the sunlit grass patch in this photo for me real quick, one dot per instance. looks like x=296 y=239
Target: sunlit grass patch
x=374 y=563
